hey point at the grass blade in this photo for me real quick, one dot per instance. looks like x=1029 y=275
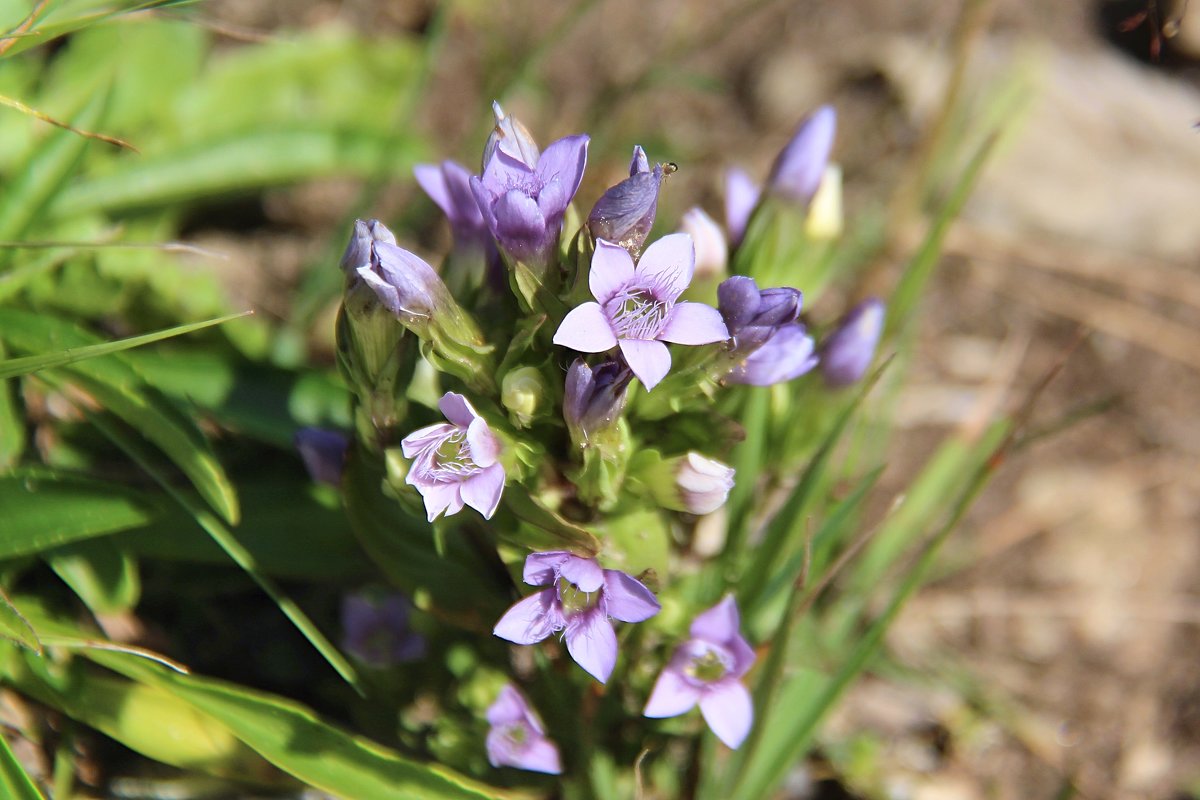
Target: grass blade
x=15 y=783
x=14 y=626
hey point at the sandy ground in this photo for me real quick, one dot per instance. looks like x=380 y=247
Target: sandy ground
x=1064 y=652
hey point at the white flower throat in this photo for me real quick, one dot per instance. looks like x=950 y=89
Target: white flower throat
x=452 y=459
x=637 y=314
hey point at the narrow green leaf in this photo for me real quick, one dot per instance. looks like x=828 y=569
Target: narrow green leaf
x=239 y=163
x=104 y=577
x=44 y=509
x=550 y=529
x=119 y=389
x=15 y=783
x=297 y=741
x=235 y=550
x=13 y=625
x=13 y=367
x=12 y=423
x=45 y=171
x=55 y=27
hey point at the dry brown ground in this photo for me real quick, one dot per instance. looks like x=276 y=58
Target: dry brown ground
x=1072 y=626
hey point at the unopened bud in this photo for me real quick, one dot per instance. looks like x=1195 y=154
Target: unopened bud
x=523 y=391
x=625 y=213
x=323 y=452
x=847 y=353
x=825 y=212
x=692 y=483
x=712 y=251
x=798 y=168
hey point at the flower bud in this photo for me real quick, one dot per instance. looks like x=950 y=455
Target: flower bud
x=323 y=452
x=691 y=483
x=824 y=219
x=751 y=314
x=639 y=162
x=625 y=213
x=523 y=391
x=848 y=351
x=798 y=168
x=512 y=138
x=741 y=198
x=376 y=630
x=360 y=249
x=594 y=397
x=712 y=251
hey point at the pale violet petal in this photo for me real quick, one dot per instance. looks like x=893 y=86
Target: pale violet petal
x=510 y=706
x=586 y=329
x=432 y=179
x=729 y=711
x=439 y=498
x=485 y=448
x=482 y=490
x=592 y=642
x=530 y=620
x=540 y=756
x=627 y=599
x=741 y=197
x=667 y=265
x=457 y=409
x=650 y=361
x=541 y=569
x=418 y=440
x=612 y=269
x=718 y=624
x=673 y=695
x=565 y=160
x=694 y=323
x=585 y=573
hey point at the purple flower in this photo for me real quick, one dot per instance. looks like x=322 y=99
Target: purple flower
x=848 y=351
x=752 y=314
x=799 y=167
x=323 y=452
x=523 y=204
x=449 y=185
x=360 y=250
x=707 y=669
x=456 y=462
x=516 y=737
x=636 y=307
x=580 y=600
x=403 y=282
x=376 y=631
x=594 y=397
x=625 y=213
x=741 y=197
x=786 y=355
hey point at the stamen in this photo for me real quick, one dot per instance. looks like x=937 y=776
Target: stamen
x=637 y=314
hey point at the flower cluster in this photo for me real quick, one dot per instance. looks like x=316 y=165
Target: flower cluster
x=575 y=375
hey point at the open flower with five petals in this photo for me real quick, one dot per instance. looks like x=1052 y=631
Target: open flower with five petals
x=580 y=599
x=637 y=307
x=707 y=669
x=455 y=462
x=516 y=737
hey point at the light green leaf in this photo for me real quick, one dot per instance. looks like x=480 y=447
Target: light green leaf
x=14 y=626
x=297 y=741
x=13 y=367
x=103 y=576
x=119 y=389
x=15 y=783
x=43 y=509
x=12 y=423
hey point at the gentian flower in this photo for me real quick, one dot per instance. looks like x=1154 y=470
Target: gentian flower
x=523 y=204
x=580 y=600
x=770 y=346
x=707 y=669
x=786 y=355
x=741 y=198
x=360 y=250
x=516 y=737
x=625 y=213
x=712 y=251
x=455 y=462
x=377 y=633
x=323 y=452
x=594 y=397
x=636 y=307
x=691 y=483
x=449 y=186
x=799 y=167
x=848 y=351
x=403 y=282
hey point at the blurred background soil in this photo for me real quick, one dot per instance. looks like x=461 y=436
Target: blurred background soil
x=1058 y=652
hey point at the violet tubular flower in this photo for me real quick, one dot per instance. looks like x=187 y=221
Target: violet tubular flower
x=455 y=462
x=323 y=452
x=741 y=197
x=580 y=599
x=707 y=669
x=636 y=308
x=516 y=737
x=449 y=186
x=523 y=204
x=594 y=397
x=376 y=631
x=625 y=213
x=798 y=169
x=770 y=346
x=848 y=351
